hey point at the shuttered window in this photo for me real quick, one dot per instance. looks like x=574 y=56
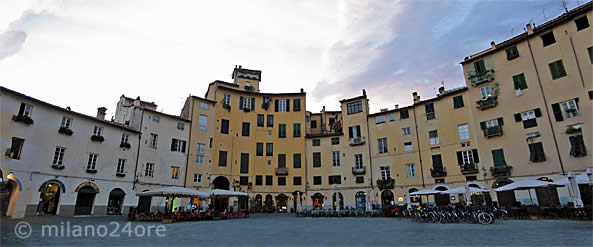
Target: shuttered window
x=224 y=126
x=536 y=152
x=437 y=162
x=296 y=159
x=512 y=53
x=221 y=158
x=282 y=130
x=259 y=149
x=498 y=158
x=296 y=130
x=577 y=146
x=520 y=82
x=458 y=101
x=430 y=114
x=316 y=159
x=245 y=129
x=281 y=160
x=557 y=69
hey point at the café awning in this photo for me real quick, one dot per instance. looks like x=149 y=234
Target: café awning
x=228 y=193
x=461 y=190
x=524 y=185
x=427 y=192
x=581 y=179
x=174 y=191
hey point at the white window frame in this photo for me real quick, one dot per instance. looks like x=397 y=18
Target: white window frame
x=391 y=117
x=408 y=148
x=203 y=122
x=467 y=157
x=566 y=105
x=281 y=105
x=197 y=178
x=59 y=156
x=434 y=140
x=124 y=138
x=153 y=141
x=358 y=161
x=203 y=105
x=335 y=158
x=528 y=115
x=463 y=131
x=355 y=133
x=485 y=91
x=246 y=103
x=156 y=119
x=227 y=99
x=466 y=144
x=121 y=166
x=178 y=145
x=181 y=125
x=383 y=148
x=175 y=172
x=66 y=122
x=385 y=172
x=411 y=170
x=28 y=110
x=92 y=162
x=98 y=131
x=380 y=119
x=406 y=131
x=492 y=123
x=149 y=170
x=200 y=153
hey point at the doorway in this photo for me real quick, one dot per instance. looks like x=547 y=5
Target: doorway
x=335 y=197
x=386 y=198
x=442 y=199
x=317 y=201
x=84 y=201
x=49 y=198
x=258 y=203
x=361 y=200
x=282 y=203
x=115 y=203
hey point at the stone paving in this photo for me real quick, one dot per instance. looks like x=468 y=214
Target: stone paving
x=287 y=230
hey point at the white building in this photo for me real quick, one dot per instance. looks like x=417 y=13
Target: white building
x=61 y=162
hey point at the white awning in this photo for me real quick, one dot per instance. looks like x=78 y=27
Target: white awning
x=461 y=190
x=427 y=192
x=581 y=179
x=219 y=192
x=174 y=191
x=524 y=185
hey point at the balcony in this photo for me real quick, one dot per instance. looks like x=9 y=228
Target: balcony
x=493 y=131
x=486 y=103
x=119 y=174
x=125 y=145
x=358 y=170
x=438 y=172
x=226 y=106
x=282 y=171
x=65 y=131
x=23 y=119
x=97 y=138
x=357 y=141
x=386 y=184
x=477 y=79
x=501 y=171
x=469 y=168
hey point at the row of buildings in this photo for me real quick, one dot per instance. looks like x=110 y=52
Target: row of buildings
x=524 y=114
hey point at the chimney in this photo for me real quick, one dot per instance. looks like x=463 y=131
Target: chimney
x=364 y=92
x=302 y=90
x=240 y=66
x=493 y=44
x=396 y=106
x=383 y=109
x=416 y=97
x=323 y=109
x=441 y=90
x=529 y=29
x=101 y=113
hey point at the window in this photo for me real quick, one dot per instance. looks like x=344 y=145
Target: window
x=66 y=122
x=316 y=180
x=313 y=124
x=201 y=148
x=224 y=126
x=174 y=172
x=269 y=180
x=404 y=114
x=406 y=131
x=16 y=148
x=296 y=130
x=335 y=179
x=354 y=131
x=124 y=138
x=149 y=170
x=92 y=162
x=245 y=129
x=392 y=117
x=528 y=119
x=281 y=130
x=411 y=168
x=198 y=178
x=354 y=107
x=380 y=120
x=358 y=161
x=281 y=181
x=178 y=145
x=153 y=141
x=335 y=141
x=156 y=119
x=458 y=101
x=25 y=110
x=296 y=159
x=382 y=145
x=181 y=126
x=569 y=109
x=557 y=69
x=281 y=105
x=260 y=120
x=270 y=121
x=498 y=158
x=519 y=82
x=577 y=146
x=385 y=173
x=296 y=105
x=226 y=100
x=316 y=142
x=582 y=23
x=281 y=160
x=467 y=157
x=259 y=149
x=466 y=144
x=430 y=111
x=536 y=152
x=491 y=123
x=316 y=159
x=59 y=156
x=269 y=149
x=548 y=39
x=121 y=166
x=512 y=53
x=222 y=158
x=463 y=131
x=98 y=131
x=485 y=92
x=359 y=179
x=480 y=67
x=408 y=147
x=336 y=158
x=437 y=162
x=203 y=122
x=203 y=105
x=434 y=137
x=259 y=180
x=296 y=181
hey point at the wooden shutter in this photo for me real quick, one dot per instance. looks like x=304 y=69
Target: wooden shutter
x=350 y=132
x=498 y=158
x=287 y=105
x=276 y=105
x=241 y=103
x=173 y=145
x=296 y=160
x=244 y=163
x=557 y=112
x=22 y=109
x=183 y=146
x=252 y=104
x=281 y=160
x=500 y=121
x=483 y=125
x=476 y=156
x=538 y=112
x=518 y=117
x=459 y=158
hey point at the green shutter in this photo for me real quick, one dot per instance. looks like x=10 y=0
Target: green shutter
x=500 y=121
x=557 y=69
x=498 y=158
x=297 y=130
x=282 y=130
x=252 y=104
x=519 y=81
x=241 y=103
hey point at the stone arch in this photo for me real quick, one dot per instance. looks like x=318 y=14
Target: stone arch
x=441 y=185
x=92 y=185
x=221 y=182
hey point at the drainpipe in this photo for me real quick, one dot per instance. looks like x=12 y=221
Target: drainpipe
x=418 y=144
x=577 y=62
x=191 y=114
x=138 y=152
x=546 y=106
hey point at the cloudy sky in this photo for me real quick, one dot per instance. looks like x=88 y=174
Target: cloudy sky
x=85 y=54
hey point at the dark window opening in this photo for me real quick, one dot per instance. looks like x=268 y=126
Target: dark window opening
x=548 y=39
x=582 y=23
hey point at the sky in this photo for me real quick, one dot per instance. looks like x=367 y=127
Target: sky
x=86 y=54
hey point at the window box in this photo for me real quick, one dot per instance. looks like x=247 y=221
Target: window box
x=249 y=88
x=246 y=109
x=59 y=167
x=493 y=131
x=573 y=130
x=486 y=103
x=125 y=145
x=501 y=171
x=571 y=110
x=358 y=170
x=469 y=168
x=438 y=172
x=120 y=174
x=357 y=141
x=97 y=138
x=226 y=106
x=281 y=171
x=65 y=131
x=23 y=119
x=386 y=184
x=91 y=171
x=477 y=79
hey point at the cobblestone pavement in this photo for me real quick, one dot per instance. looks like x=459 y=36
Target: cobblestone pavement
x=287 y=230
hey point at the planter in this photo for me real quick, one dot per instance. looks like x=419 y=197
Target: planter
x=125 y=145
x=23 y=119
x=59 y=167
x=65 y=131
x=226 y=106
x=96 y=138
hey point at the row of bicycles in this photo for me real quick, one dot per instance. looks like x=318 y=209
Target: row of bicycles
x=458 y=214
x=339 y=213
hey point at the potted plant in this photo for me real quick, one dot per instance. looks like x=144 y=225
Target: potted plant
x=97 y=138
x=59 y=167
x=65 y=131
x=23 y=119
x=125 y=145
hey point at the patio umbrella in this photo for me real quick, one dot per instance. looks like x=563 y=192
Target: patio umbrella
x=298 y=202
x=590 y=175
x=408 y=200
x=427 y=192
x=582 y=178
x=462 y=189
x=175 y=192
x=574 y=190
x=526 y=184
x=225 y=193
x=468 y=195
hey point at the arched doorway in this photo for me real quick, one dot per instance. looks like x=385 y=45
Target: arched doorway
x=269 y=204
x=482 y=198
x=282 y=203
x=337 y=198
x=115 y=202
x=547 y=196
x=50 y=192
x=361 y=200
x=221 y=183
x=414 y=198
x=317 y=201
x=6 y=189
x=258 y=203
x=505 y=198
x=85 y=200
x=442 y=199
x=144 y=203
x=386 y=198
x=221 y=203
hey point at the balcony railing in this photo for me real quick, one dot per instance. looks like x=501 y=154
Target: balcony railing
x=493 y=131
x=469 y=168
x=358 y=170
x=386 y=184
x=486 y=103
x=357 y=141
x=501 y=171
x=477 y=79
x=438 y=172
x=281 y=171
